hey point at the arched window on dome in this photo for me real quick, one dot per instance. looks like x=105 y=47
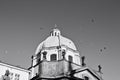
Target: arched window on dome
x=70 y=58
x=53 y=57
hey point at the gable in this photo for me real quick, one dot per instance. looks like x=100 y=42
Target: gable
x=86 y=73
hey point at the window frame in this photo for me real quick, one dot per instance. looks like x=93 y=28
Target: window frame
x=53 y=57
x=70 y=58
x=86 y=77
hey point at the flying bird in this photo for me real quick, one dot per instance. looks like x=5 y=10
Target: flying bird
x=92 y=20
x=105 y=48
x=41 y=28
x=101 y=50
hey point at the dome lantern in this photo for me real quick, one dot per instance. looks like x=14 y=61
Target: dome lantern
x=55 y=31
x=60 y=46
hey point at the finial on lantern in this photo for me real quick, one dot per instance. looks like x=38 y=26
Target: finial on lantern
x=55 y=25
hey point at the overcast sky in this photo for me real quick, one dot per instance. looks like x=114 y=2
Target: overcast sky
x=90 y=24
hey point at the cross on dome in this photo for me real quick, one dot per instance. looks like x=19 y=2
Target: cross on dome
x=55 y=25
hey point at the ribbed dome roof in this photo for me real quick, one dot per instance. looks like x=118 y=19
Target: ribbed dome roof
x=56 y=39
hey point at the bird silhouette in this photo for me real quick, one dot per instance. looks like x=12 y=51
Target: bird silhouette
x=105 y=48
x=101 y=50
x=41 y=28
x=92 y=20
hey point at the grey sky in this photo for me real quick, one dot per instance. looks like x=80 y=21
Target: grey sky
x=90 y=24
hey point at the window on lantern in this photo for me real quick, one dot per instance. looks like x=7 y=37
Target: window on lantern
x=53 y=57
x=55 y=33
x=70 y=58
x=51 y=33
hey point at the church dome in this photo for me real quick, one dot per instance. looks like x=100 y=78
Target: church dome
x=56 y=39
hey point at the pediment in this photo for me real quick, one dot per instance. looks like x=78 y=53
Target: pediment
x=86 y=72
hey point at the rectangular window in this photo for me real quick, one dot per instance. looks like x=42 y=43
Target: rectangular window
x=70 y=58
x=86 y=78
x=53 y=57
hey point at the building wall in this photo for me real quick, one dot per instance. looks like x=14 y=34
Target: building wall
x=51 y=69
x=15 y=72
